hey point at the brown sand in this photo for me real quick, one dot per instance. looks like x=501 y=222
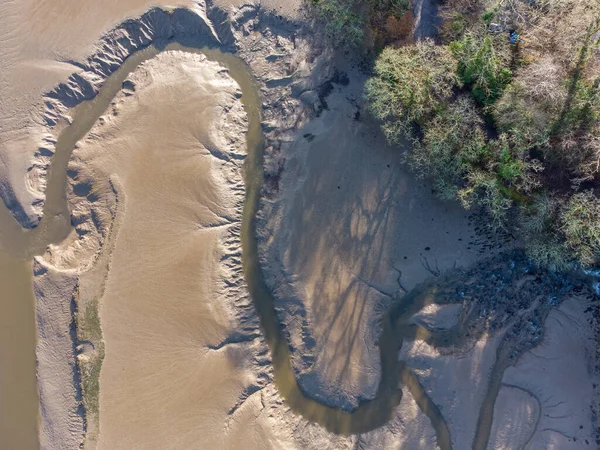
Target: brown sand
x=175 y=146
x=516 y=416
x=61 y=424
x=75 y=254
x=41 y=43
x=29 y=68
x=438 y=317
x=288 y=8
x=38 y=39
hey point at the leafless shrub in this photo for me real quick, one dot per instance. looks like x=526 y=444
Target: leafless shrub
x=460 y=15
x=539 y=228
x=585 y=155
x=560 y=30
x=532 y=103
x=543 y=80
x=399 y=29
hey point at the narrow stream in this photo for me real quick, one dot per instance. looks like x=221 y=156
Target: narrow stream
x=21 y=245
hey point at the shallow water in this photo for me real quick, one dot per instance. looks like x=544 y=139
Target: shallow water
x=18 y=388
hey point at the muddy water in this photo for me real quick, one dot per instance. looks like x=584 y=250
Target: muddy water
x=22 y=245
x=18 y=389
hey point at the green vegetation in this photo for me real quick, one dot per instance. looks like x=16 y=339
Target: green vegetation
x=411 y=82
x=350 y=24
x=503 y=125
x=90 y=362
x=503 y=113
x=453 y=141
x=481 y=67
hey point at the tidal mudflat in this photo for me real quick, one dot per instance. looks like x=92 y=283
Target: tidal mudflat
x=184 y=299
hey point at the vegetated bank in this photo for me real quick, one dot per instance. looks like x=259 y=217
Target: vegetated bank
x=502 y=109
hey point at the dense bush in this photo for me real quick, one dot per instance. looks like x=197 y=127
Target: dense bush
x=580 y=223
x=531 y=104
x=481 y=66
x=348 y=22
x=453 y=142
x=555 y=111
x=539 y=227
x=455 y=152
x=454 y=27
x=562 y=232
x=343 y=25
x=458 y=17
x=412 y=86
x=504 y=177
x=409 y=85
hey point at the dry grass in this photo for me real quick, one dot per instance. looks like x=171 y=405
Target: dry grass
x=558 y=30
x=399 y=30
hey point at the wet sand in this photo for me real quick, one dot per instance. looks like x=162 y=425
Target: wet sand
x=349 y=230
x=42 y=43
x=558 y=378
x=164 y=309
